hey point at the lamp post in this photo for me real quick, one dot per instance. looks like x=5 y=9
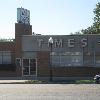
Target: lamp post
x=50 y=41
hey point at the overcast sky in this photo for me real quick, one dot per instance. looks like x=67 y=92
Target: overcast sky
x=48 y=17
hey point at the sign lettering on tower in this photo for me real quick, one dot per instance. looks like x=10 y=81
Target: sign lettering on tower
x=23 y=16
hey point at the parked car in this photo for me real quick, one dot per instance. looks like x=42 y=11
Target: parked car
x=97 y=79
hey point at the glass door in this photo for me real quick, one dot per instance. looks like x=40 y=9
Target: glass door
x=32 y=66
x=29 y=67
x=25 y=66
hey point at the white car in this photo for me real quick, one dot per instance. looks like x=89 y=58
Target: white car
x=97 y=79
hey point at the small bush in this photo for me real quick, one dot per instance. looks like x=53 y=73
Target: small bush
x=33 y=82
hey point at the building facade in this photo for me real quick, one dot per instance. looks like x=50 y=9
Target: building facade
x=72 y=56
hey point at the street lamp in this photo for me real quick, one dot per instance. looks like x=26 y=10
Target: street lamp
x=50 y=41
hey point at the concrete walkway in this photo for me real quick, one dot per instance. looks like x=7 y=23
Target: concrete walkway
x=17 y=78
x=11 y=81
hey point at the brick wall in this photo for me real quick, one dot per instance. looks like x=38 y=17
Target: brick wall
x=43 y=68
x=43 y=64
x=20 y=29
x=75 y=71
x=8 y=46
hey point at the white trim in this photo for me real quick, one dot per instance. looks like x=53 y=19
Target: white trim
x=36 y=67
x=29 y=66
x=22 y=67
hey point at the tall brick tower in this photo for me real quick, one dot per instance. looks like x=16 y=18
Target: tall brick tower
x=22 y=27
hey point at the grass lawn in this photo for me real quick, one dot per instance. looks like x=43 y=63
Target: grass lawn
x=60 y=82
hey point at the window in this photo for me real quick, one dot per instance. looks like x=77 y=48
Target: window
x=25 y=62
x=5 y=57
x=88 y=58
x=97 y=60
x=18 y=62
x=67 y=59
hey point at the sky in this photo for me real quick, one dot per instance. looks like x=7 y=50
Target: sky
x=48 y=17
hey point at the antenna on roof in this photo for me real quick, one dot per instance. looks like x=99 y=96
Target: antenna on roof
x=20 y=3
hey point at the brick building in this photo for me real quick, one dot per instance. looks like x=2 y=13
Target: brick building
x=72 y=56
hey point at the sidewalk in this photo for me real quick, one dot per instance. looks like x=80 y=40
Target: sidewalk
x=11 y=81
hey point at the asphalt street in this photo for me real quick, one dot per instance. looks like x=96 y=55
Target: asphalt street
x=49 y=92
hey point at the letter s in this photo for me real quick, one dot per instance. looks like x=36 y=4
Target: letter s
x=84 y=42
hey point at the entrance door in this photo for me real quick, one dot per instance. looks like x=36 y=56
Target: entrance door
x=29 y=67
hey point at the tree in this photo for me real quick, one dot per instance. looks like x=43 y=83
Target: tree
x=89 y=30
x=95 y=28
x=96 y=24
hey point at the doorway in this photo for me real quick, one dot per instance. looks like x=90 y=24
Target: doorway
x=29 y=67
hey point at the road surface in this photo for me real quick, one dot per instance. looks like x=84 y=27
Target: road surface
x=49 y=92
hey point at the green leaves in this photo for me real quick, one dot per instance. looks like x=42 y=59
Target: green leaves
x=96 y=23
x=95 y=28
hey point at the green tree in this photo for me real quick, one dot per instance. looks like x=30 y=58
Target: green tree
x=89 y=30
x=96 y=24
x=95 y=28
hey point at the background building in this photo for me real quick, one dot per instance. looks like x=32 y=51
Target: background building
x=72 y=56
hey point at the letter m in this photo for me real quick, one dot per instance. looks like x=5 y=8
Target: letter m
x=58 y=43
